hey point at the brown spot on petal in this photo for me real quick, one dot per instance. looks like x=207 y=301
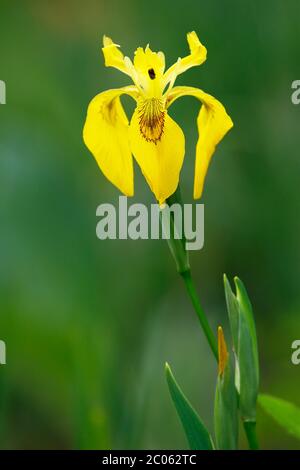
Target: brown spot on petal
x=151 y=74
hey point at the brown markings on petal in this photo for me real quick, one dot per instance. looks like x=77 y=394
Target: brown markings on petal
x=151 y=115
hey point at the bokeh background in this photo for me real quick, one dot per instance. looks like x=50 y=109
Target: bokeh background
x=88 y=325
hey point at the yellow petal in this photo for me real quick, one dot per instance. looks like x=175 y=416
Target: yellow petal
x=147 y=71
x=160 y=161
x=213 y=123
x=113 y=57
x=147 y=59
x=106 y=134
x=197 y=56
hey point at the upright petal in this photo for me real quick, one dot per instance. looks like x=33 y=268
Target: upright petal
x=113 y=57
x=106 y=134
x=197 y=56
x=213 y=123
x=160 y=161
x=147 y=59
x=147 y=71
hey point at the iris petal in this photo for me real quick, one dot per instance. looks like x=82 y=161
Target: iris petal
x=106 y=134
x=213 y=124
x=197 y=56
x=161 y=161
x=113 y=57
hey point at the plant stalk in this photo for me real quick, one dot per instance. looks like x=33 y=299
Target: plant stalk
x=190 y=287
x=180 y=254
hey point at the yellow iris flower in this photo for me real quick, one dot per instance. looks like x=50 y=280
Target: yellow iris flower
x=152 y=136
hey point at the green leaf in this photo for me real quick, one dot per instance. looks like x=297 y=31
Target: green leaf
x=247 y=373
x=233 y=312
x=285 y=413
x=247 y=354
x=226 y=402
x=196 y=433
x=245 y=345
x=247 y=312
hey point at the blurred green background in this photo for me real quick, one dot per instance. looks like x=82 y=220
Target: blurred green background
x=88 y=325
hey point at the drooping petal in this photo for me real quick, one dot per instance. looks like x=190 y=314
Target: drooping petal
x=197 y=56
x=106 y=134
x=213 y=123
x=160 y=161
x=113 y=57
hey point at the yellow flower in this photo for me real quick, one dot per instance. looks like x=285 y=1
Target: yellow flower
x=152 y=136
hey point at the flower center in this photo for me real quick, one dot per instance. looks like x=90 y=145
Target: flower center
x=151 y=115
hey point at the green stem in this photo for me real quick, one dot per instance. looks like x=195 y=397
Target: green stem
x=178 y=250
x=190 y=287
x=250 y=430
